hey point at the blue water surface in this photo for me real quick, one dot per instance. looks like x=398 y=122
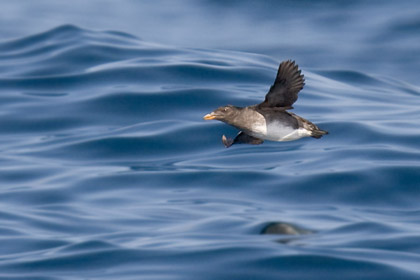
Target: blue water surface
x=108 y=171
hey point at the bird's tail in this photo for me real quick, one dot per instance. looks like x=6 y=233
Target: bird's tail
x=318 y=133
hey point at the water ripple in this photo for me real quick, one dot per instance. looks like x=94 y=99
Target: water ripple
x=109 y=171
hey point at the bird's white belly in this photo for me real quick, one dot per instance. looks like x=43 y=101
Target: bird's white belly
x=276 y=131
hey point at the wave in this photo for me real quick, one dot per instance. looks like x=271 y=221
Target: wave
x=108 y=166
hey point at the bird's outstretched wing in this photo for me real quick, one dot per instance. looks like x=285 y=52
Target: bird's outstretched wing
x=284 y=92
x=241 y=138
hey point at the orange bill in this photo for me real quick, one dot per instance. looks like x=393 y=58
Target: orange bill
x=209 y=117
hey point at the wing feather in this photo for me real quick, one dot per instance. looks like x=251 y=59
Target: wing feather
x=284 y=92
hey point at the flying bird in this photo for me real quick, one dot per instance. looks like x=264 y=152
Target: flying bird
x=270 y=119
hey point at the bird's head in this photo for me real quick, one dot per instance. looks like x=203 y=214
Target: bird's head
x=225 y=114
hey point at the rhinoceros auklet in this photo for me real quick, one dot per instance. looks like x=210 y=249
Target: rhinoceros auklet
x=270 y=119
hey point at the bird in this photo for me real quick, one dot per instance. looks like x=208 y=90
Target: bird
x=270 y=119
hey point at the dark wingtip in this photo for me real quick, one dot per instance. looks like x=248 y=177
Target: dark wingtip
x=227 y=141
x=289 y=81
x=290 y=74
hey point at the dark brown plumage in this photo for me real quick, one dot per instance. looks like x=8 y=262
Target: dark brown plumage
x=270 y=119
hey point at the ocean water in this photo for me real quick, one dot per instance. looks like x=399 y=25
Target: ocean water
x=108 y=171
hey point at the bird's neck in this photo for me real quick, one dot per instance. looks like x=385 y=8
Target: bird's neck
x=244 y=118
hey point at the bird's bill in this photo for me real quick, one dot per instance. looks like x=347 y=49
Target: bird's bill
x=210 y=116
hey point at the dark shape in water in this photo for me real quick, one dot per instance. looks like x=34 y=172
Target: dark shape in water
x=283 y=228
x=270 y=119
